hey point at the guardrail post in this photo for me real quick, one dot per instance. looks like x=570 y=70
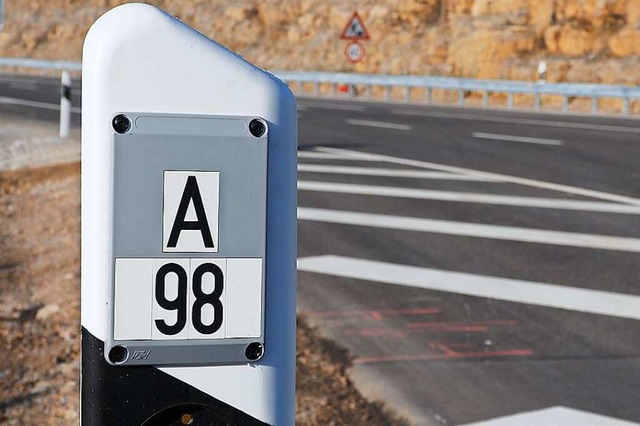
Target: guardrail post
x=460 y=97
x=594 y=105
x=65 y=104
x=334 y=89
x=315 y=88
x=510 y=105
x=369 y=91
x=537 y=102
x=387 y=93
x=626 y=109
x=407 y=94
x=565 y=103
x=485 y=99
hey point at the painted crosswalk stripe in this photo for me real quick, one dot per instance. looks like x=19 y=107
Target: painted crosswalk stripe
x=505 y=289
x=554 y=416
x=466 y=229
x=380 y=124
x=510 y=138
x=505 y=178
x=466 y=197
x=372 y=171
x=321 y=155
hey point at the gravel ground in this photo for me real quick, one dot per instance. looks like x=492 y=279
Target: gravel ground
x=40 y=314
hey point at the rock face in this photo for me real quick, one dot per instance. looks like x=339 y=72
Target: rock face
x=581 y=40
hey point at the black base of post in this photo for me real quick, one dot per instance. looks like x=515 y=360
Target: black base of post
x=146 y=396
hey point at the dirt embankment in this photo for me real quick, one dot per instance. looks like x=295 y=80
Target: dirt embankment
x=581 y=40
x=40 y=314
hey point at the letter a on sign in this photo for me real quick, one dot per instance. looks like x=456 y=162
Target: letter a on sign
x=190 y=211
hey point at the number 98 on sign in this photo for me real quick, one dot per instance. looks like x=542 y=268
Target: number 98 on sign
x=163 y=299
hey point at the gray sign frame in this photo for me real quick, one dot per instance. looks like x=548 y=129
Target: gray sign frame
x=163 y=142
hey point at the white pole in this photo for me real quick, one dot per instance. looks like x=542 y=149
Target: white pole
x=65 y=105
x=138 y=40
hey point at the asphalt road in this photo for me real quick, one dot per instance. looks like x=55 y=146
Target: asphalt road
x=473 y=264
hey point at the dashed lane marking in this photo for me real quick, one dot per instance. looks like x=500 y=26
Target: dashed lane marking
x=379 y=124
x=477 y=230
x=505 y=289
x=523 y=139
x=526 y=121
x=24 y=86
x=371 y=171
x=467 y=197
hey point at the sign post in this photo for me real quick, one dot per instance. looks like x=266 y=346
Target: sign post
x=188 y=229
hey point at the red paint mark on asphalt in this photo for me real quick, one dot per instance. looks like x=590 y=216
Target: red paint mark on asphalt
x=376 y=315
x=448 y=353
x=486 y=323
x=398 y=358
x=428 y=327
x=474 y=327
x=375 y=332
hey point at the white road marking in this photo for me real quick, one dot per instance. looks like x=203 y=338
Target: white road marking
x=380 y=124
x=505 y=178
x=39 y=81
x=467 y=197
x=371 y=171
x=526 y=121
x=510 y=290
x=23 y=86
x=554 y=416
x=322 y=155
x=466 y=229
x=34 y=104
x=341 y=107
x=509 y=138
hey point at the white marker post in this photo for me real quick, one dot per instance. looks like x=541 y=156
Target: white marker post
x=188 y=232
x=65 y=104
x=542 y=72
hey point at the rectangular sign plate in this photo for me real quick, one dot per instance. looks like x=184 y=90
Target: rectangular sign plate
x=189 y=235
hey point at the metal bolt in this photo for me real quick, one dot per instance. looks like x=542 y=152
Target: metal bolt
x=257 y=127
x=121 y=123
x=254 y=351
x=118 y=354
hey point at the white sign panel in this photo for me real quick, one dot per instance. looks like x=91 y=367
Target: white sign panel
x=186 y=299
x=190 y=212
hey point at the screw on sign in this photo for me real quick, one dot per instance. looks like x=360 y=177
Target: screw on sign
x=354 y=51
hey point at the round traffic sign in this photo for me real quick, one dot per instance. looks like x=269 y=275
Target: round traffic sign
x=354 y=52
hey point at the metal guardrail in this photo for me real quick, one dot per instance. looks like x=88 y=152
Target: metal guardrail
x=462 y=86
x=44 y=67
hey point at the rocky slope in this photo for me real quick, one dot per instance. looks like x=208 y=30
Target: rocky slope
x=581 y=40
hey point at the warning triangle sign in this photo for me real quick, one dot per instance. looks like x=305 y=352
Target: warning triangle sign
x=355 y=29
